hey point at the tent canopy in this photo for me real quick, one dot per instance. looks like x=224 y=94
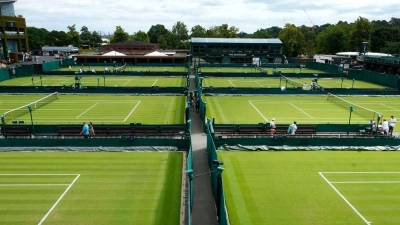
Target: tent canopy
x=113 y=53
x=156 y=54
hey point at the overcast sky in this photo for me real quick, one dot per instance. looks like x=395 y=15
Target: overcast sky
x=247 y=15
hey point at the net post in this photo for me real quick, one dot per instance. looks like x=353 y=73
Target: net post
x=327 y=96
x=57 y=94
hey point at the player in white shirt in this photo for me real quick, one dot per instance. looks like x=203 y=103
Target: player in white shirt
x=392 y=124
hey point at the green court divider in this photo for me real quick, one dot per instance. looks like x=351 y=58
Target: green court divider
x=4 y=74
x=189 y=172
x=216 y=177
x=24 y=71
x=388 y=80
x=49 y=66
x=328 y=68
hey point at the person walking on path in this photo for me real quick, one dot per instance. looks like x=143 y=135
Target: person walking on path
x=91 y=130
x=292 y=128
x=85 y=130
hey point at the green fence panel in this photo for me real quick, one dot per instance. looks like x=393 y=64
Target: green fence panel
x=24 y=71
x=49 y=66
x=388 y=80
x=327 y=68
x=4 y=74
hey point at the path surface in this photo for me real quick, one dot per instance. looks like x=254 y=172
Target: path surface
x=203 y=212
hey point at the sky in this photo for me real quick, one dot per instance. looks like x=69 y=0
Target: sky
x=247 y=15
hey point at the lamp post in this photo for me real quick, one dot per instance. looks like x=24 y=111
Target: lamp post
x=30 y=112
x=351 y=110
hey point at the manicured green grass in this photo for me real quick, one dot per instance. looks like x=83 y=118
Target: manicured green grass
x=109 y=81
x=100 y=69
x=277 y=82
x=286 y=109
x=99 y=109
x=251 y=69
x=311 y=187
x=92 y=188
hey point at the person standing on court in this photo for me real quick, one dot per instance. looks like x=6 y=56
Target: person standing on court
x=385 y=127
x=91 y=130
x=273 y=126
x=85 y=130
x=392 y=124
x=292 y=128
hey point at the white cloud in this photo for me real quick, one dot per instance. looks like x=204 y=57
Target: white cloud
x=247 y=15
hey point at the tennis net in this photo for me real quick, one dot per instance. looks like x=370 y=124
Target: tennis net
x=20 y=111
x=291 y=82
x=120 y=69
x=362 y=111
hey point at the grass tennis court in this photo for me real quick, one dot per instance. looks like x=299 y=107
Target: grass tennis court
x=100 y=109
x=286 y=109
x=276 y=82
x=90 y=188
x=326 y=187
x=251 y=69
x=100 y=69
x=109 y=81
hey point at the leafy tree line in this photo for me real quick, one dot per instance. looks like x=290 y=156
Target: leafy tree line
x=383 y=36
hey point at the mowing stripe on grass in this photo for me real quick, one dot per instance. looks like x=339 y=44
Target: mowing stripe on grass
x=59 y=199
x=348 y=203
x=258 y=111
x=132 y=110
x=389 y=107
x=301 y=110
x=231 y=83
x=87 y=110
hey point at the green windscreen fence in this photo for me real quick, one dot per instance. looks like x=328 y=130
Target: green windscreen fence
x=327 y=68
x=25 y=71
x=4 y=74
x=388 y=80
x=50 y=66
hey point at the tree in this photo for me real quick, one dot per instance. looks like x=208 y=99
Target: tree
x=95 y=39
x=262 y=33
x=242 y=34
x=274 y=31
x=56 y=38
x=36 y=37
x=224 y=31
x=391 y=48
x=85 y=36
x=292 y=39
x=362 y=32
x=310 y=44
x=162 y=41
x=382 y=35
x=332 y=40
x=140 y=36
x=73 y=37
x=119 y=35
x=155 y=32
x=180 y=33
x=198 y=31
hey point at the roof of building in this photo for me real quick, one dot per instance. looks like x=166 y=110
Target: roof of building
x=238 y=40
x=132 y=43
x=114 y=53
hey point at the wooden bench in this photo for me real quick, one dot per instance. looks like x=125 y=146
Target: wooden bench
x=69 y=130
x=145 y=131
x=119 y=130
x=172 y=130
x=16 y=131
x=224 y=129
x=282 y=130
x=256 y=129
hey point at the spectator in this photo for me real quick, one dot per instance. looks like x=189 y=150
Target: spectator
x=85 y=130
x=273 y=126
x=392 y=124
x=385 y=127
x=292 y=128
x=91 y=130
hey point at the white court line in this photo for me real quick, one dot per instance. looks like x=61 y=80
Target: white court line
x=354 y=86
x=324 y=85
x=366 y=182
x=30 y=83
x=231 y=83
x=126 y=82
x=59 y=199
x=301 y=110
x=87 y=110
x=258 y=83
x=348 y=203
x=132 y=111
x=389 y=107
x=258 y=111
x=33 y=185
x=154 y=82
x=59 y=82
